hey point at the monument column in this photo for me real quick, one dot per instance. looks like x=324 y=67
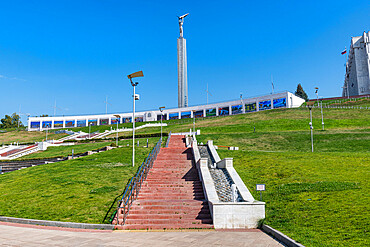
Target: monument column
x=182 y=73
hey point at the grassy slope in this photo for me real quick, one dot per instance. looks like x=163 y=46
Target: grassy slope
x=318 y=199
x=331 y=213
x=79 y=190
x=63 y=151
x=27 y=136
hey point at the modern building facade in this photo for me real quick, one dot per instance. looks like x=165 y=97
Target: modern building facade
x=357 y=80
x=261 y=103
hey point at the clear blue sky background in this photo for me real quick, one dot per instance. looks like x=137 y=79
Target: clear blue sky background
x=79 y=52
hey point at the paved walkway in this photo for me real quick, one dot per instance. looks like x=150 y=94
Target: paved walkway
x=23 y=235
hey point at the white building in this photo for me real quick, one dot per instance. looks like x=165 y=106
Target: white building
x=357 y=81
x=266 y=102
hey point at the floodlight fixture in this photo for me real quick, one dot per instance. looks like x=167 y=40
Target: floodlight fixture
x=310 y=104
x=183 y=16
x=134 y=75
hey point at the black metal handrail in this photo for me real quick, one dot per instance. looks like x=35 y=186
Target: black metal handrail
x=133 y=187
x=168 y=139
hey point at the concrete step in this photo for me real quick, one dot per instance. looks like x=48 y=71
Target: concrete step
x=170 y=197
x=160 y=227
x=166 y=190
x=174 y=215
x=174 y=202
x=202 y=211
x=162 y=222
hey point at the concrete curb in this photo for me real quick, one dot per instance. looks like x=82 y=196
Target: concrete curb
x=57 y=223
x=280 y=236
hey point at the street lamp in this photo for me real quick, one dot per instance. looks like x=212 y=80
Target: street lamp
x=90 y=129
x=194 y=121
x=135 y=97
x=47 y=127
x=161 y=109
x=310 y=105
x=346 y=87
x=119 y=117
x=322 y=115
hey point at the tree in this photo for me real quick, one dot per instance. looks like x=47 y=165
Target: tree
x=10 y=121
x=44 y=115
x=300 y=92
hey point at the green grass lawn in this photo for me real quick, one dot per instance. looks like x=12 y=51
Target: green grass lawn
x=63 y=151
x=364 y=101
x=23 y=136
x=79 y=190
x=318 y=199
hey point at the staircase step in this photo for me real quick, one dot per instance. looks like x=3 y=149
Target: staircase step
x=168 y=221
x=174 y=215
x=171 y=202
x=167 y=226
x=134 y=211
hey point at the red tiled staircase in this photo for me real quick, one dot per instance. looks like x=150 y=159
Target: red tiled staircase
x=172 y=196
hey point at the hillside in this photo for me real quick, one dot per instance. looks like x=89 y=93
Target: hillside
x=319 y=199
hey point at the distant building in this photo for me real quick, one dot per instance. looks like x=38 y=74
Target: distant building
x=357 y=80
x=240 y=106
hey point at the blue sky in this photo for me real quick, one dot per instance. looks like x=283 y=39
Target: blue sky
x=79 y=52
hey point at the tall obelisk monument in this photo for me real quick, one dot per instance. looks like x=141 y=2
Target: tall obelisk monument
x=182 y=71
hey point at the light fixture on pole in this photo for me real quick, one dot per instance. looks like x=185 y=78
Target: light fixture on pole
x=135 y=97
x=118 y=120
x=47 y=128
x=310 y=105
x=194 y=120
x=161 y=109
x=322 y=115
x=90 y=129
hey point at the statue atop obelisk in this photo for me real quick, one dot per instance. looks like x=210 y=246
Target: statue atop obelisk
x=182 y=72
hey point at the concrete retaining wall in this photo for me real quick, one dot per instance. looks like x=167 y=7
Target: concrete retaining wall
x=227 y=215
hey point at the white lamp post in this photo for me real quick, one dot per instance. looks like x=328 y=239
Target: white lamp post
x=194 y=121
x=310 y=105
x=47 y=128
x=90 y=129
x=135 y=97
x=161 y=109
x=119 y=117
x=322 y=115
